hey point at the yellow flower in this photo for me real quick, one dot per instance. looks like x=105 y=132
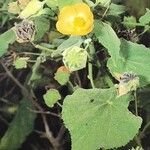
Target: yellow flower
x=76 y=19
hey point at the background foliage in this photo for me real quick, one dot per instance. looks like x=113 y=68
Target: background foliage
x=98 y=100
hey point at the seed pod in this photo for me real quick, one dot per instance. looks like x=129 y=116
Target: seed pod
x=75 y=58
x=25 y=31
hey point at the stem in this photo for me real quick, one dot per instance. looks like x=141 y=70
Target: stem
x=105 y=12
x=71 y=86
x=136 y=104
x=134 y=24
x=138 y=141
x=30 y=53
x=145 y=128
x=137 y=138
x=43 y=48
x=90 y=75
x=90 y=68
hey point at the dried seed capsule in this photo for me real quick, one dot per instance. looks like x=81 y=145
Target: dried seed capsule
x=25 y=31
x=128 y=82
x=126 y=77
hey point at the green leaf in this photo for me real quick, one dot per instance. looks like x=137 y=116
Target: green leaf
x=135 y=59
x=19 y=128
x=32 y=8
x=108 y=38
x=6 y=38
x=62 y=3
x=62 y=77
x=98 y=118
x=52 y=3
x=104 y=3
x=20 y=62
x=42 y=25
x=115 y=9
x=145 y=19
x=51 y=97
x=130 y=22
x=35 y=69
x=70 y=42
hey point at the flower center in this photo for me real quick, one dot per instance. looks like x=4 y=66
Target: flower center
x=79 y=22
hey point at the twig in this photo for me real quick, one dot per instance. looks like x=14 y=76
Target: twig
x=90 y=67
x=90 y=75
x=61 y=133
x=5 y=121
x=78 y=78
x=44 y=112
x=25 y=92
x=145 y=128
x=136 y=103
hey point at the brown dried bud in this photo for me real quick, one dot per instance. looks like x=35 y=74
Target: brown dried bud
x=25 y=31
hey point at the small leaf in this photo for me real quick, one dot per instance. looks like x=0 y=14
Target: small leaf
x=19 y=128
x=13 y=8
x=20 y=62
x=115 y=9
x=62 y=75
x=75 y=58
x=23 y=3
x=97 y=118
x=6 y=38
x=51 y=97
x=130 y=22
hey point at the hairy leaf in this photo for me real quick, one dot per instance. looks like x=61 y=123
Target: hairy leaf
x=108 y=38
x=62 y=3
x=51 y=97
x=19 y=128
x=115 y=9
x=98 y=118
x=6 y=38
x=145 y=19
x=62 y=77
x=20 y=62
x=70 y=42
x=41 y=25
x=135 y=59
